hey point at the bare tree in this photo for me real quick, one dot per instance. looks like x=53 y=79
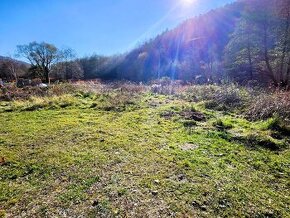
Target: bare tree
x=11 y=69
x=42 y=56
x=68 y=70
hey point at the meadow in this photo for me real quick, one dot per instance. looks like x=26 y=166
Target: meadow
x=127 y=150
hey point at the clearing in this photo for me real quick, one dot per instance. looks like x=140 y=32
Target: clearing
x=133 y=153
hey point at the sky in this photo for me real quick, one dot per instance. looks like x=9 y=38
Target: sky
x=105 y=27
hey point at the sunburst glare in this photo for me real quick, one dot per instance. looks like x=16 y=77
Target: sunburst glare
x=187 y=2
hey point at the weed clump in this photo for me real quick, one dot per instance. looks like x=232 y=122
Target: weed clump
x=228 y=98
x=116 y=101
x=266 y=106
x=165 y=86
x=12 y=92
x=225 y=97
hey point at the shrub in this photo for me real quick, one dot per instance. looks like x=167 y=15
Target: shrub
x=115 y=101
x=198 y=93
x=228 y=98
x=266 y=106
x=61 y=89
x=11 y=92
x=162 y=90
x=132 y=88
x=164 y=81
x=36 y=82
x=166 y=86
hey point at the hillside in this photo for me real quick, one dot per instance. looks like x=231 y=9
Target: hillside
x=2 y=58
x=9 y=67
x=240 y=42
x=182 y=53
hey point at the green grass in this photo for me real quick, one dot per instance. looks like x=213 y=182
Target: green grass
x=103 y=157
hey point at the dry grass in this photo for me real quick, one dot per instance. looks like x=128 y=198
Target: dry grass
x=268 y=105
x=11 y=92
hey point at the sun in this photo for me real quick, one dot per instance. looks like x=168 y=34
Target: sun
x=188 y=2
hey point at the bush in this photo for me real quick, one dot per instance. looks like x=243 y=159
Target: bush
x=11 y=92
x=198 y=93
x=166 y=86
x=228 y=98
x=132 y=88
x=162 y=90
x=61 y=89
x=36 y=82
x=164 y=81
x=266 y=106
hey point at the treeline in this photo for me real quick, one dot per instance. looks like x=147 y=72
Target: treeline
x=246 y=42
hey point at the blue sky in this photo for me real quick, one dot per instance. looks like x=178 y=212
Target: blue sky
x=93 y=26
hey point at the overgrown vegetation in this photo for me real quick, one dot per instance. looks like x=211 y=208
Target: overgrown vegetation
x=266 y=106
x=121 y=150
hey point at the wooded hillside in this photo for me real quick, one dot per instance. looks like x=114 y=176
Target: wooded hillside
x=241 y=42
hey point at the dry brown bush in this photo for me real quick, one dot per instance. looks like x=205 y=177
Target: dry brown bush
x=268 y=105
x=11 y=92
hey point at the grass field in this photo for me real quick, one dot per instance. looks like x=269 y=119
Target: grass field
x=138 y=154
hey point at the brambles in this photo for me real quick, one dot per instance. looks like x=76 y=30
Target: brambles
x=225 y=97
x=269 y=105
x=228 y=98
x=166 y=86
x=11 y=92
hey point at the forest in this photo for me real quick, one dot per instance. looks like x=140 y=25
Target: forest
x=241 y=42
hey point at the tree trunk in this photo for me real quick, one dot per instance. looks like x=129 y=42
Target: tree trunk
x=46 y=74
x=16 y=77
x=250 y=57
x=284 y=49
x=287 y=77
x=266 y=56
